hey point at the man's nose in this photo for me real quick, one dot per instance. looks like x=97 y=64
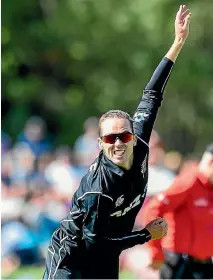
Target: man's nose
x=118 y=141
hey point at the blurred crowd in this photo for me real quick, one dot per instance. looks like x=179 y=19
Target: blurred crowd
x=37 y=178
x=38 y=182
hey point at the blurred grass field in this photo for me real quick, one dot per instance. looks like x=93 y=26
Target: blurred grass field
x=33 y=272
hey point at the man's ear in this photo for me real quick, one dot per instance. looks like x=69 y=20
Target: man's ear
x=100 y=143
x=135 y=140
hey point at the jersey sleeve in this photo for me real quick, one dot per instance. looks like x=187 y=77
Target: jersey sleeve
x=97 y=208
x=147 y=109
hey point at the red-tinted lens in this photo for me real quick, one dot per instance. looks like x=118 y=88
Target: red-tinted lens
x=125 y=137
x=111 y=138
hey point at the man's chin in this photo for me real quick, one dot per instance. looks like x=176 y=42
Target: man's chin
x=120 y=162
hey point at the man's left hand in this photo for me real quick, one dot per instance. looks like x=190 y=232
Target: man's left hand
x=182 y=23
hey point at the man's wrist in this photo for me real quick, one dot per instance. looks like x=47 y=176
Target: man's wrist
x=145 y=233
x=175 y=50
x=178 y=43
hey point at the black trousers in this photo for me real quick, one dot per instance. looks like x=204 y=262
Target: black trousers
x=181 y=266
x=65 y=260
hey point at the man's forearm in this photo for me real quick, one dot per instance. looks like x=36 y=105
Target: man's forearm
x=175 y=50
x=160 y=77
x=125 y=242
x=117 y=244
x=151 y=100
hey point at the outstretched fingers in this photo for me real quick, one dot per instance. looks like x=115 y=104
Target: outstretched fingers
x=182 y=13
x=185 y=14
x=187 y=20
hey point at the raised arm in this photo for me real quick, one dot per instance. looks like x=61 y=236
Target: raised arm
x=146 y=112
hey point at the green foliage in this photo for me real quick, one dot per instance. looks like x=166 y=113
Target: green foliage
x=88 y=56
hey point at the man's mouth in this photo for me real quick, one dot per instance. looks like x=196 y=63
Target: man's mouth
x=119 y=152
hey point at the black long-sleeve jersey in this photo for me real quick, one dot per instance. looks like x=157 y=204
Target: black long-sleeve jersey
x=105 y=206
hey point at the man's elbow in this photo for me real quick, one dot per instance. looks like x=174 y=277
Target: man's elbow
x=93 y=242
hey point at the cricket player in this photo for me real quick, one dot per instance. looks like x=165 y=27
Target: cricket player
x=99 y=225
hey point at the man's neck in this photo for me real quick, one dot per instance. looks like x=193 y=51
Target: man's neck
x=129 y=164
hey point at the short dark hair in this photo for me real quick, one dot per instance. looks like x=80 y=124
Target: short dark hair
x=114 y=114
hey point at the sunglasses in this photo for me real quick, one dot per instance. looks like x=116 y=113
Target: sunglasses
x=111 y=138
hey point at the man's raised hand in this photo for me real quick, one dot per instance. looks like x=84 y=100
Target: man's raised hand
x=182 y=22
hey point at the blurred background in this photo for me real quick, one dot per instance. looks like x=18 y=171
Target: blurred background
x=64 y=63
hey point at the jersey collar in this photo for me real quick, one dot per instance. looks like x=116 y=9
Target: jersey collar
x=111 y=166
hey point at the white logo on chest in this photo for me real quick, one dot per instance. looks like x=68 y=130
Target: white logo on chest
x=119 y=201
x=132 y=205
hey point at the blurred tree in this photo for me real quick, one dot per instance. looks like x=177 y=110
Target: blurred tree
x=76 y=58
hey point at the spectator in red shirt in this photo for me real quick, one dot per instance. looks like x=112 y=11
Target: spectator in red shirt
x=187 y=250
